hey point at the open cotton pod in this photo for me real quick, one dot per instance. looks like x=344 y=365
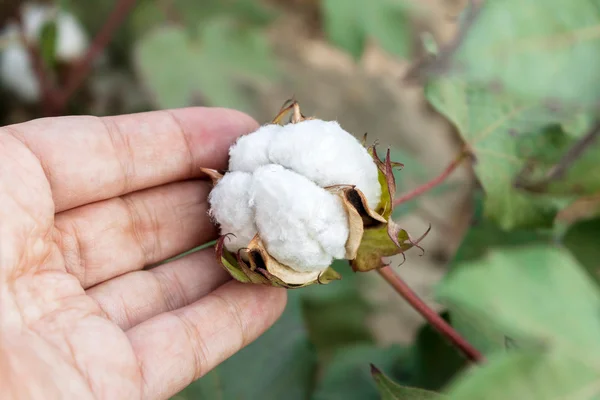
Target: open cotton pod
x=299 y=195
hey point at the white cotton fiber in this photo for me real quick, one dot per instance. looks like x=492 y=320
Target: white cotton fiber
x=230 y=207
x=301 y=224
x=320 y=150
x=328 y=155
x=276 y=186
x=252 y=151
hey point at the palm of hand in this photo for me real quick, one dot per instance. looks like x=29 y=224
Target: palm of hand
x=85 y=205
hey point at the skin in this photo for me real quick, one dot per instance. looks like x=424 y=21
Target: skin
x=86 y=206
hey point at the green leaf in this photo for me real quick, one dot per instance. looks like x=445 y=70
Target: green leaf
x=376 y=243
x=247 y=12
x=505 y=135
x=581 y=178
x=414 y=170
x=348 y=376
x=484 y=235
x=48 y=37
x=537 y=293
x=177 y=67
x=481 y=333
x=537 y=49
x=435 y=361
x=343 y=26
x=350 y=23
x=529 y=375
x=390 y=390
x=336 y=315
x=279 y=364
x=582 y=240
x=145 y=16
x=578 y=125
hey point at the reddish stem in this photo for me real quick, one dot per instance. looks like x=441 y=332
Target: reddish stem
x=432 y=183
x=81 y=70
x=430 y=315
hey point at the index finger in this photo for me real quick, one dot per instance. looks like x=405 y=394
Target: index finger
x=87 y=159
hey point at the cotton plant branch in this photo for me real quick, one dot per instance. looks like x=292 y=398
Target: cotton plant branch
x=562 y=166
x=120 y=11
x=430 y=315
x=438 y=180
x=409 y=295
x=441 y=62
x=55 y=98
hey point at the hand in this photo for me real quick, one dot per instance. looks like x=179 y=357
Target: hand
x=85 y=205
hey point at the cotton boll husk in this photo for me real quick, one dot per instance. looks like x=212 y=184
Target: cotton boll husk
x=230 y=207
x=252 y=151
x=301 y=225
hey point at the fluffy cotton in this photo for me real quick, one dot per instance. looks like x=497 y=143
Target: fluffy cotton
x=16 y=70
x=252 y=151
x=231 y=208
x=320 y=150
x=301 y=224
x=276 y=188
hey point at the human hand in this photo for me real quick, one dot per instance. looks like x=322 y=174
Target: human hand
x=85 y=205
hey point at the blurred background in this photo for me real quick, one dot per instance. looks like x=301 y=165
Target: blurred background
x=342 y=60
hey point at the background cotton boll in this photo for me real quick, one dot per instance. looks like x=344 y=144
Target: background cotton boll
x=16 y=69
x=252 y=151
x=328 y=155
x=71 y=41
x=302 y=225
x=17 y=75
x=230 y=207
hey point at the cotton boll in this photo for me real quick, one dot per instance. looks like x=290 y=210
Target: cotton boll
x=16 y=69
x=34 y=16
x=230 y=207
x=17 y=75
x=252 y=151
x=328 y=155
x=302 y=225
x=71 y=41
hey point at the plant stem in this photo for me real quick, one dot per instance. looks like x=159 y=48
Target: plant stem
x=430 y=315
x=81 y=70
x=432 y=183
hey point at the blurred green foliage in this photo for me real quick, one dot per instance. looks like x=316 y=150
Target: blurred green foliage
x=537 y=50
x=204 y=68
x=351 y=23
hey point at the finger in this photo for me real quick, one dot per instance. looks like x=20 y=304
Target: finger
x=102 y=240
x=137 y=296
x=88 y=159
x=175 y=348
